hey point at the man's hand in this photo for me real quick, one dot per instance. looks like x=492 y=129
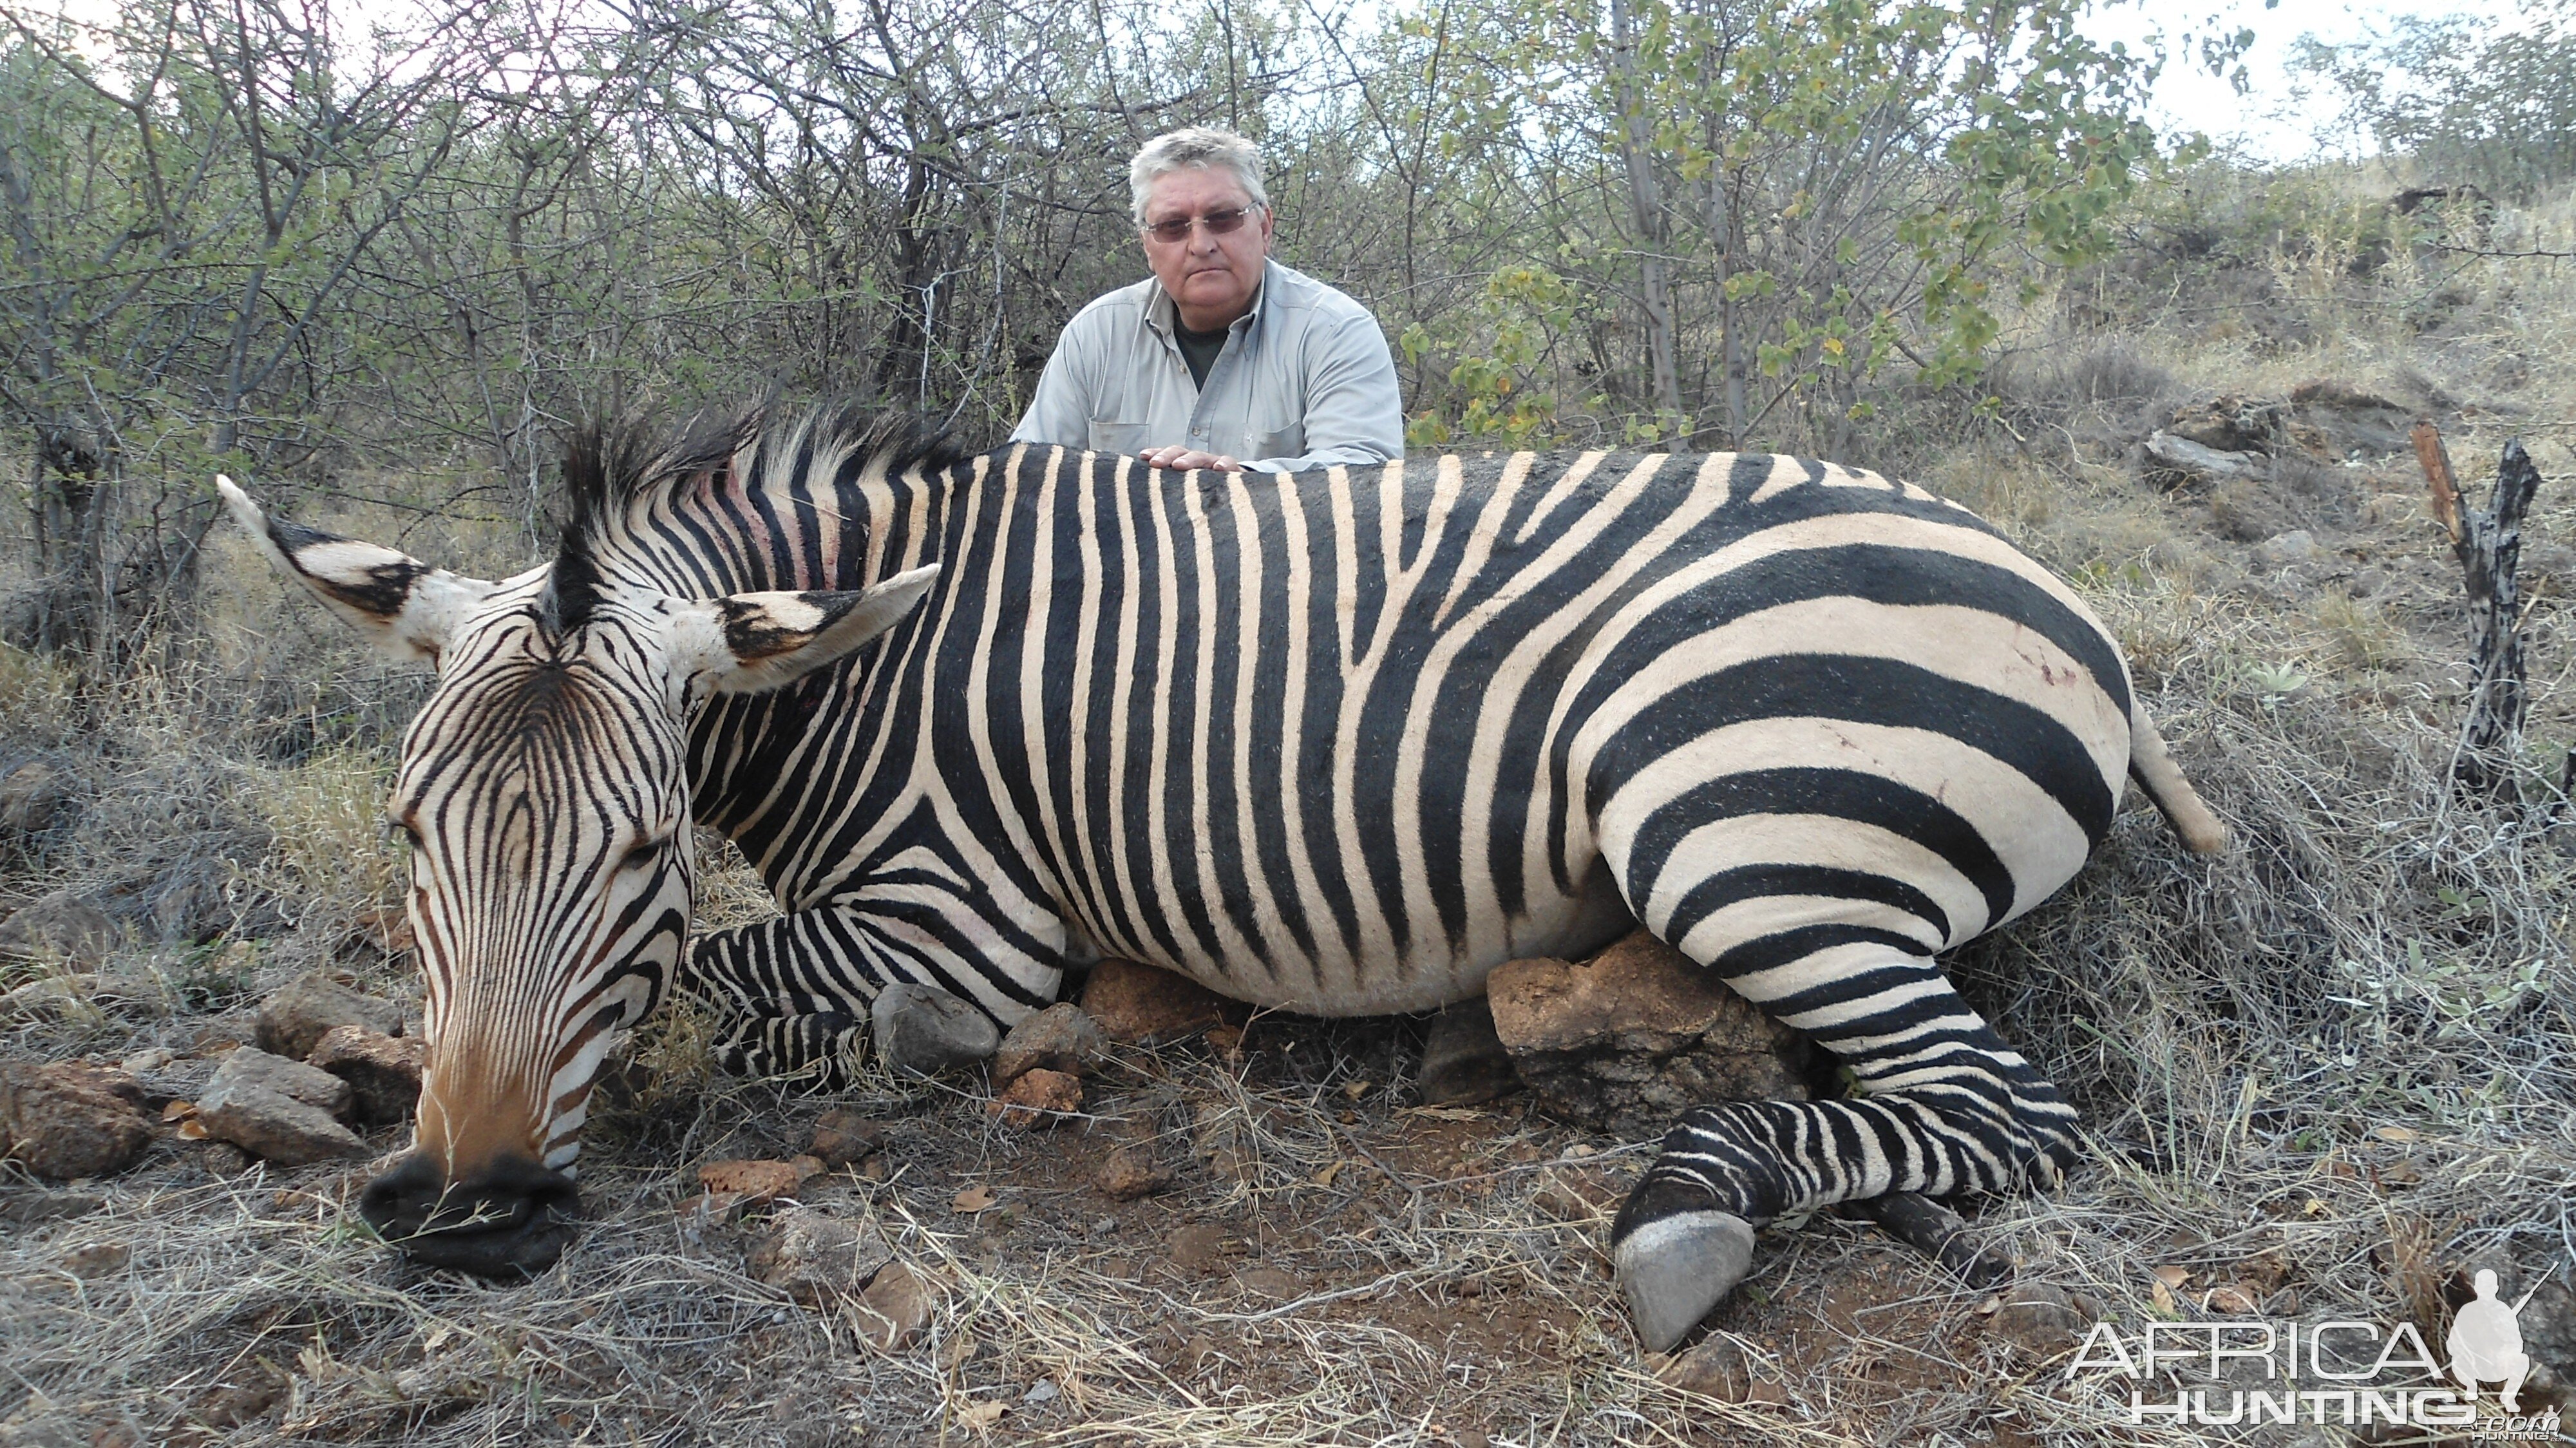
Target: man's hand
x=1182 y=459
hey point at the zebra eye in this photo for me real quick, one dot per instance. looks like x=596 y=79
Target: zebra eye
x=644 y=854
x=397 y=826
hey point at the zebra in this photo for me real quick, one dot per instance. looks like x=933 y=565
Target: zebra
x=1339 y=743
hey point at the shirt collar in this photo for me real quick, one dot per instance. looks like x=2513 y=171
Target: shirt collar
x=1163 y=314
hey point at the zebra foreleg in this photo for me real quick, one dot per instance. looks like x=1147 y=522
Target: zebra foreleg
x=781 y=1009
x=1946 y=1107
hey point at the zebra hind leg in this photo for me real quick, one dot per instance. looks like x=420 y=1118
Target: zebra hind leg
x=1945 y=1107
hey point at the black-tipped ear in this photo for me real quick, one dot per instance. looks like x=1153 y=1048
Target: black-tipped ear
x=408 y=607
x=748 y=642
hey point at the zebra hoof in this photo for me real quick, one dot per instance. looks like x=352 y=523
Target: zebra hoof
x=1677 y=1269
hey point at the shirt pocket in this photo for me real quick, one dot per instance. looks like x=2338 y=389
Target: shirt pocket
x=1124 y=438
x=1286 y=442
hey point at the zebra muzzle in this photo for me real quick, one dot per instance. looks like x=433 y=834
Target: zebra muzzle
x=512 y=1219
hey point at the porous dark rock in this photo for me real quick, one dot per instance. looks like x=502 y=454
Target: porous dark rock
x=1143 y=1005
x=817 y=1259
x=1463 y=1060
x=63 y=926
x=1063 y=1037
x=383 y=1071
x=275 y=1109
x=1627 y=1041
x=843 y=1135
x=64 y=1120
x=296 y=1016
x=925 y=1031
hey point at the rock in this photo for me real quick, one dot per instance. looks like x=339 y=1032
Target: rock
x=2179 y=459
x=1628 y=1041
x=2230 y=423
x=1195 y=1248
x=1059 y=1038
x=63 y=1120
x=1463 y=1061
x=60 y=926
x=250 y=1066
x=895 y=1308
x=29 y=1207
x=925 y=1031
x=843 y=1136
x=2284 y=549
x=2039 y=1320
x=34 y=797
x=383 y=1072
x=752 y=1181
x=1037 y=1098
x=295 y=1017
x=161 y=1077
x=1131 y=1172
x=1715 y=1368
x=819 y=1260
x=273 y=1108
x=1140 y=1005
x=1270 y=1282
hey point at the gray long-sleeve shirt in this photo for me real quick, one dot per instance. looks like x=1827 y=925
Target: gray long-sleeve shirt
x=1305 y=381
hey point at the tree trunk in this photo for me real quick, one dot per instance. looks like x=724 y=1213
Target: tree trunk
x=1645 y=205
x=2488 y=543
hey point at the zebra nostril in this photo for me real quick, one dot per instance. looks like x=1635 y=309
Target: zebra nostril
x=512 y=1219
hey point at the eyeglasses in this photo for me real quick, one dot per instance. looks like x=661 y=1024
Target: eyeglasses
x=1218 y=223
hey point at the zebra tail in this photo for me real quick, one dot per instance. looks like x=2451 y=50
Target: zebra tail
x=2161 y=778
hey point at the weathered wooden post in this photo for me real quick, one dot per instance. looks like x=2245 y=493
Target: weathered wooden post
x=2489 y=545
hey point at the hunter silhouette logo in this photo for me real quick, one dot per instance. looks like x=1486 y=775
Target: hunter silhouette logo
x=2486 y=1343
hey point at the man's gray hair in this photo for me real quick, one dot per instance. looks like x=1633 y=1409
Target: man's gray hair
x=1194 y=147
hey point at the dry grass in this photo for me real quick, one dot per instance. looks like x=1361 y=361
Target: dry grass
x=2327 y=1070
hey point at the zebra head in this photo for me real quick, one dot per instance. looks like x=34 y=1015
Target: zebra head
x=545 y=791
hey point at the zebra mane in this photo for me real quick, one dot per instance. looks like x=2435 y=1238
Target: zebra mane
x=610 y=467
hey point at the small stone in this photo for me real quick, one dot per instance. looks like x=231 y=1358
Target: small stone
x=295 y=1017
x=1463 y=1060
x=1059 y=1038
x=843 y=1135
x=2038 y=1319
x=1196 y=1247
x=754 y=1181
x=2285 y=549
x=383 y=1071
x=180 y=1078
x=34 y=797
x=895 y=1308
x=250 y=1066
x=1270 y=1282
x=63 y=1120
x=818 y=1260
x=1131 y=1172
x=242 y=1106
x=60 y=926
x=925 y=1031
x=1715 y=1368
x=97 y=1259
x=1638 y=1035
x=1141 y=1005
x=1037 y=1098
x=41 y=1205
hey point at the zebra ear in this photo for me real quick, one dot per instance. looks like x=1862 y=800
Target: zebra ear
x=406 y=606
x=748 y=642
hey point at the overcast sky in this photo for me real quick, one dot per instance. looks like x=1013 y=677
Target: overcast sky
x=2262 y=122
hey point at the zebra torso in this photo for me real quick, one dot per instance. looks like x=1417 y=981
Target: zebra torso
x=1343 y=742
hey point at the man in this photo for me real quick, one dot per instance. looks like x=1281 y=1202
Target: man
x=1223 y=358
